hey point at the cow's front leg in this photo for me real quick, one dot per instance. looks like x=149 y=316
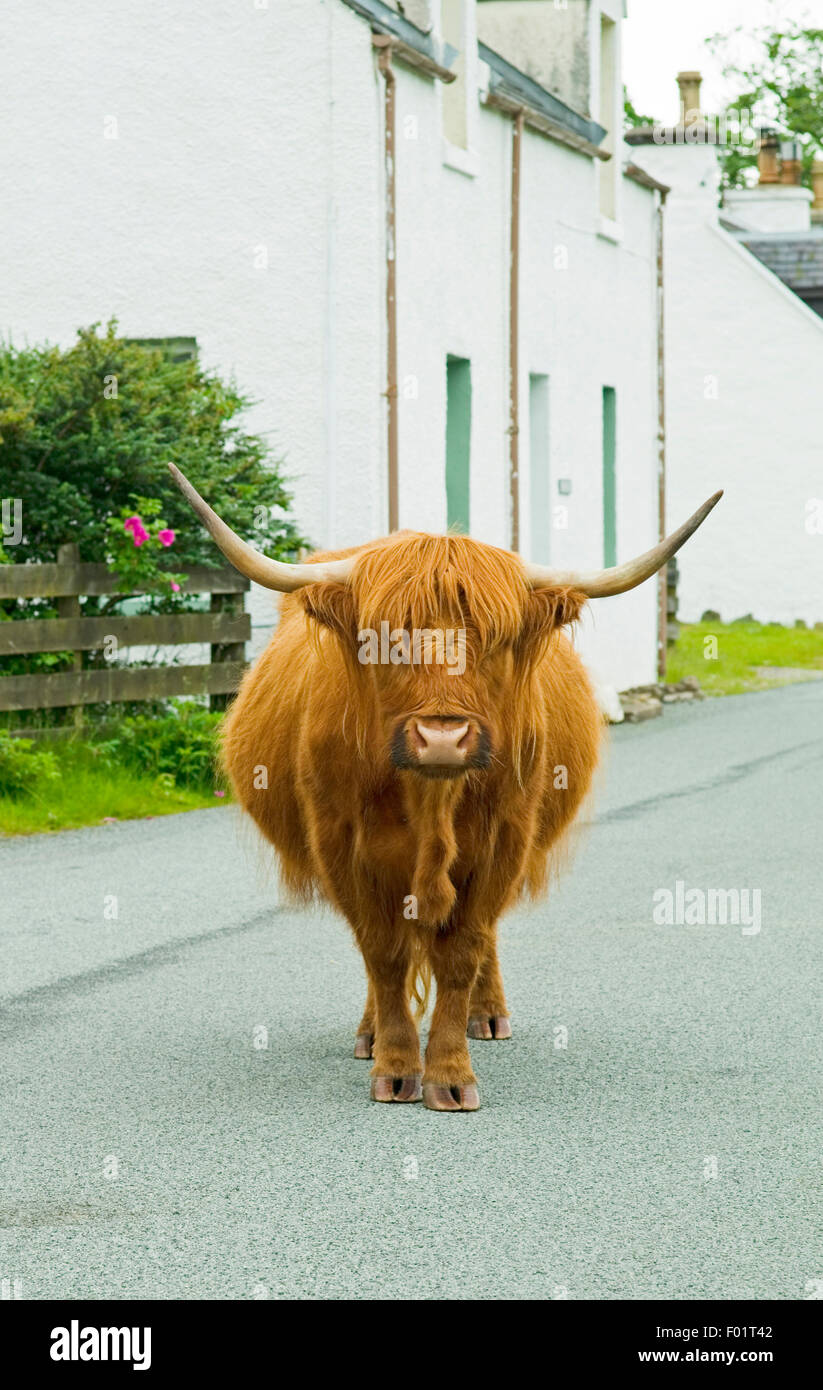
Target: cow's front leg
x=488 y=1014
x=364 y=1039
x=397 y=1066
x=448 y=1080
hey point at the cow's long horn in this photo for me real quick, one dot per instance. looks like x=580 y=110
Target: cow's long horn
x=604 y=583
x=272 y=574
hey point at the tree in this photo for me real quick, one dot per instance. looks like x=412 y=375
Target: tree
x=631 y=117
x=781 y=85
x=86 y=430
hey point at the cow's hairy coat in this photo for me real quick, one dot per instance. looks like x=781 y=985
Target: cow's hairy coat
x=371 y=838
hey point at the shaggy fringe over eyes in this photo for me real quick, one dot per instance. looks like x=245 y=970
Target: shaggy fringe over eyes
x=416 y=581
x=413 y=580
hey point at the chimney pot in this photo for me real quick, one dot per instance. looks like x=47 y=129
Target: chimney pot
x=791 y=162
x=817 y=185
x=689 y=85
x=768 y=164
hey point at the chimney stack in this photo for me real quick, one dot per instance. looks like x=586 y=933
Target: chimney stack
x=768 y=164
x=817 y=186
x=689 y=84
x=791 y=162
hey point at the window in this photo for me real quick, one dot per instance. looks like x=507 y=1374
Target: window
x=609 y=168
x=609 y=476
x=539 y=468
x=458 y=442
x=455 y=113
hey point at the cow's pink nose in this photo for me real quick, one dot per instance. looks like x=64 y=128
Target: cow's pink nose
x=442 y=743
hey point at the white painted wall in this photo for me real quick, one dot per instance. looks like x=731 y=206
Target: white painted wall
x=770 y=207
x=589 y=322
x=242 y=202
x=544 y=40
x=744 y=362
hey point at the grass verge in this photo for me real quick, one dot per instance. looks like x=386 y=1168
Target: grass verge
x=146 y=765
x=731 y=658
x=91 y=797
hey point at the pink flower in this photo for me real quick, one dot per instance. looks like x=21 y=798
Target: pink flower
x=166 y=537
x=138 y=531
x=176 y=587
x=219 y=793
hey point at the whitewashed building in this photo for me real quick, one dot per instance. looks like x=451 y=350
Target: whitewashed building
x=744 y=366
x=222 y=172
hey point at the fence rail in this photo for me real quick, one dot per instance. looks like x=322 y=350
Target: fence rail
x=225 y=628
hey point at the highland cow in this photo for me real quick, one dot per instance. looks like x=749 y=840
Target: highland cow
x=420 y=797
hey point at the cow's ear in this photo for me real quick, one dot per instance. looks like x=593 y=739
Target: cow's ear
x=546 y=610
x=332 y=605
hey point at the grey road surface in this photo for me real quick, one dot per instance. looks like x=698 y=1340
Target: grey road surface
x=182 y=1116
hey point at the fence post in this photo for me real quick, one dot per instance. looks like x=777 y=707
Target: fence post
x=225 y=651
x=68 y=606
x=672 y=625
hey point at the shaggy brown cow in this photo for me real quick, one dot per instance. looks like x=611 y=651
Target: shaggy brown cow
x=421 y=799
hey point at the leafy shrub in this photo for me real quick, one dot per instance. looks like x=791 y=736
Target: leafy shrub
x=25 y=770
x=183 y=745
x=140 y=542
x=84 y=430
x=85 y=434
x=175 y=750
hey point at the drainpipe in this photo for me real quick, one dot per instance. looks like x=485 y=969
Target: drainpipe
x=663 y=594
x=514 y=333
x=383 y=44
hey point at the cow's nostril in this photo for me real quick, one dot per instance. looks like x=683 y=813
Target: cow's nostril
x=452 y=735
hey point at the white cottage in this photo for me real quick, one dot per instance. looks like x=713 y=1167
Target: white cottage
x=744 y=366
x=411 y=231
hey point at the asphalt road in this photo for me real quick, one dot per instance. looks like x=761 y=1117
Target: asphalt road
x=152 y=1146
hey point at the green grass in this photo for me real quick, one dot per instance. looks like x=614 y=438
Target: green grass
x=742 y=647
x=90 y=795
x=126 y=769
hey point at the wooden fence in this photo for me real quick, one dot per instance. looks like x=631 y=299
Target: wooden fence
x=672 y=625
x=226 y=627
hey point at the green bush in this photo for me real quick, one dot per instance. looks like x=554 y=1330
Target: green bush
x=182 y=744
x=85 y=430
x=25 y=770
x=176 y=750
x=85 y=435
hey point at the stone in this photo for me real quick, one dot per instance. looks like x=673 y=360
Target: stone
x=637 y=708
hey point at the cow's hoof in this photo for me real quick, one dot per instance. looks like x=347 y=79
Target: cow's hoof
x=396 y=1088
x=440 y=1097
x=495 y=1028
x=363 y=1045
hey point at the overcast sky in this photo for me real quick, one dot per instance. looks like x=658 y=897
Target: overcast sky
x=664 y=37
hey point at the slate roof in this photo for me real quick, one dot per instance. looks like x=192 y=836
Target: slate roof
x=796 y=257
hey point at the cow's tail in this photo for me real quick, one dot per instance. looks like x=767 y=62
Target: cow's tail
x=420 y=983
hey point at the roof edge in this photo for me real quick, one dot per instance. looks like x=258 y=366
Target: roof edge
x=779 y=286
x=513 y=89
x=413 y=45
x=637 y=175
